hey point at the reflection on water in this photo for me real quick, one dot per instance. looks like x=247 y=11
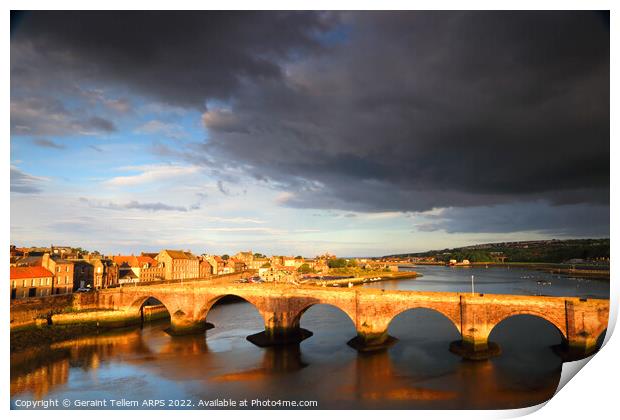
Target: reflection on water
x=418 y=372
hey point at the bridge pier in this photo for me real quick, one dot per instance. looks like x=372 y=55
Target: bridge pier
x=476 y=325
x=372 y=335
x=281 y=328
x=584 y=325
x=577 y=347
x=181 y=324
x=475 y=351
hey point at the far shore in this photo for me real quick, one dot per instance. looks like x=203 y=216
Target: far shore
x=355 y=281
x=581 y=270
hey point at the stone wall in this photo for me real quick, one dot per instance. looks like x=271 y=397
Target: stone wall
x=108 y=319
x=24 y=312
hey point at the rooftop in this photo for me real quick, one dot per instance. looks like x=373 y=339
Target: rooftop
x=30 y=272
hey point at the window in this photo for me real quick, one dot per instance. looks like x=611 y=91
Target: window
x=67 y=269
x=58 y=269
x=47 y=281
x=14 y=284
x=31 y=282
x=24 y=283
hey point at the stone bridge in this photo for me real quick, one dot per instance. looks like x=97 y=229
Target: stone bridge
x=579 y=321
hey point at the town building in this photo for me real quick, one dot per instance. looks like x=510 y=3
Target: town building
x=215 y=261
x=105 y=272
x=205 y=268
x=236 y=264
x=279 y=274
x=257 y=263
x=292 y=262
x=29 y=281
x=245 y=256
x=318 y=266
x=94 y=273
x=65 y=252
x=63 y=273
x=83 y=274
x=142 y=268
x=179 y=265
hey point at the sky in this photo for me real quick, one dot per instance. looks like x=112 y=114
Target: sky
x=354 y=133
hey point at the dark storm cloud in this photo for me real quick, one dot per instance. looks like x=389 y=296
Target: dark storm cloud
x=181 y=58
x=422 y=110
x=370 y=111
x=41 y=116
x=570 y=221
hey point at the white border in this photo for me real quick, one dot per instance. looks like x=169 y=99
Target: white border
x=591 y=395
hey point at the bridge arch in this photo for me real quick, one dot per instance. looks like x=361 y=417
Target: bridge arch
x=300 y=314
x=203 y=311
x=456 y=323
x=558 y=326
x=138 y=302
x=307 y=306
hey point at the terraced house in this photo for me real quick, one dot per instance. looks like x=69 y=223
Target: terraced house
x=63 y=273
x=141 y=268
x=179 y=265
x=30 y=282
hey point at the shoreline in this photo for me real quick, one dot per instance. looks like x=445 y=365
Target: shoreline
x=76 y=324
x=554 y=268
x=356 y=281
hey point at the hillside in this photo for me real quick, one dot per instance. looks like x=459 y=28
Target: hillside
x=547 y=251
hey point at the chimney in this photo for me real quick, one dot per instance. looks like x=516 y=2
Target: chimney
x=45 y=261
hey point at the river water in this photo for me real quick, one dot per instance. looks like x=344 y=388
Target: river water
x=418 y=372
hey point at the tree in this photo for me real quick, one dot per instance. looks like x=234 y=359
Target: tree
x=337 y=263
x=225 y=256
x=299 y=257
x=259 y=255
x=304 y=269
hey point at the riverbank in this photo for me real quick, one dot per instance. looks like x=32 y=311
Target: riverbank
x=577 y=270
x=45 y=336
x=78 y=323
x=355 y=281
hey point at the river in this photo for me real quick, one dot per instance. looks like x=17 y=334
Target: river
x=418 y=372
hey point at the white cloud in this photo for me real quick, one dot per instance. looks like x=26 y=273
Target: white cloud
x=151 y=173
x=136 y=205
x=232 y=220
x=266 y=230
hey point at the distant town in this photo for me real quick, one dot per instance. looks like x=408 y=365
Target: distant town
x=44 y=271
